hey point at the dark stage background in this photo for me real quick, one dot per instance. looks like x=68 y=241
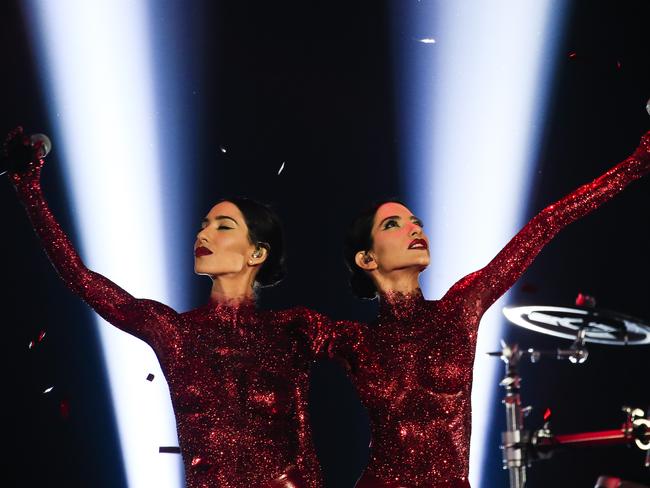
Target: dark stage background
x=311 y=84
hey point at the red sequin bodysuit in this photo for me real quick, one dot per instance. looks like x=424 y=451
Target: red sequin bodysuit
x=238 y=377
x=413 y=368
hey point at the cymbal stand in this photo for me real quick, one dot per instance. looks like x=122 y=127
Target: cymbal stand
x=646 y=447
x=515 y=439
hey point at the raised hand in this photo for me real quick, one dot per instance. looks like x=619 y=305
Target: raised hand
x=22 y=158
x=643 y=151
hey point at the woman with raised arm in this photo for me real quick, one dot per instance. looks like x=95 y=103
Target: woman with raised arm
x=413 y=367
x=238 y=377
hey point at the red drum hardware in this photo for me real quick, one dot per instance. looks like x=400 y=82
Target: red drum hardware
x=582 y=325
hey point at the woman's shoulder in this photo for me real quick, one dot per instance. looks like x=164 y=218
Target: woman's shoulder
x=195 y=312
x=158 y=309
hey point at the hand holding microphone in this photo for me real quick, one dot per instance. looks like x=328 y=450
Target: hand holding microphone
x=22 y=152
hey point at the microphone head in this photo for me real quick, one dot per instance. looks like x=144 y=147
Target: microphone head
x=41 y=145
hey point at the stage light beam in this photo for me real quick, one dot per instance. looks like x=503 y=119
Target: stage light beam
x=470 y=111
x=96 y=65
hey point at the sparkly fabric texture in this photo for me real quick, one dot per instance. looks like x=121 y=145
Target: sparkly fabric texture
x=238 y=376
x=413 y=367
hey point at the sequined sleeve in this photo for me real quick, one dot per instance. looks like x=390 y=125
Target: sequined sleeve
x=482 y=288
x=345 y=343
x=308 y=333
x=135 y=316
x=315 y=327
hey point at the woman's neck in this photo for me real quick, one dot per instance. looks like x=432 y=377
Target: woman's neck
x=404 y=281
x=232 y=290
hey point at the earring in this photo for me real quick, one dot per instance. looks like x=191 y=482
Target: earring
x=367 y=258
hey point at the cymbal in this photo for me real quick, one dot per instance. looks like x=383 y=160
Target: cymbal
x=601 y=326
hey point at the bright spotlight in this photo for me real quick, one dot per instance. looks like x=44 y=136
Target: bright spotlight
x=96 y=65
x=470 y=110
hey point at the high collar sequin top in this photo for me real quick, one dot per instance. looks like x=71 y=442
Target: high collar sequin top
x=413 y=367
x=238 y=377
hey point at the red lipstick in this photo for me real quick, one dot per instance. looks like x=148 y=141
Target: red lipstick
x=418 y=244
x=202 y=251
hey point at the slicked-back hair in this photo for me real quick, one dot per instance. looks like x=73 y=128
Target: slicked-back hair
x=264 y=229
x=359 y=238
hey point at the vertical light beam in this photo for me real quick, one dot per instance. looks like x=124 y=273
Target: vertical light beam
x=96 y=59
x=472 y=81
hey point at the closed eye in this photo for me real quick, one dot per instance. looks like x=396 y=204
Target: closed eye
x=390 y=223
x=219 y=227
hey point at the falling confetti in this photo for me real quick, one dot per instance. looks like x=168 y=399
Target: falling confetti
x=528 y=288
x=427 y=40
x=223 y=149
x=281 y=168
x=572 y=55
x=547 y=414
x=47 y=390
x=41 y=336
x=169 y=449
x=64 y=409
x=150 y=377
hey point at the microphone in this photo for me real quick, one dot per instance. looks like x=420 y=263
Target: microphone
x=20 y=151
x=41 y=145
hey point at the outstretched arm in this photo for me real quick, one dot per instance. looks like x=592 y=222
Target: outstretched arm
x=486 y=285
x=114 y=304
x=314 y=327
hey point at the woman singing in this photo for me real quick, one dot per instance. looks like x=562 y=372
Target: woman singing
x=413 y=368
x=238 y=376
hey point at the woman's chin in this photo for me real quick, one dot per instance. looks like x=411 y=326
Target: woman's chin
x=199 y=271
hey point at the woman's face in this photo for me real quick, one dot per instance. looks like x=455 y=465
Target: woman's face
x=398 y=241
x=222 y=245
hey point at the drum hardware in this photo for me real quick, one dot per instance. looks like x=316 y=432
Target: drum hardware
x=635 y=429
x=519 y=446
x=515 y=440
x=600 y=326
x=610 y=482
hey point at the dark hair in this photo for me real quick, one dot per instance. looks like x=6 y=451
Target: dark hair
x=359 y=238
x=264 y=229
